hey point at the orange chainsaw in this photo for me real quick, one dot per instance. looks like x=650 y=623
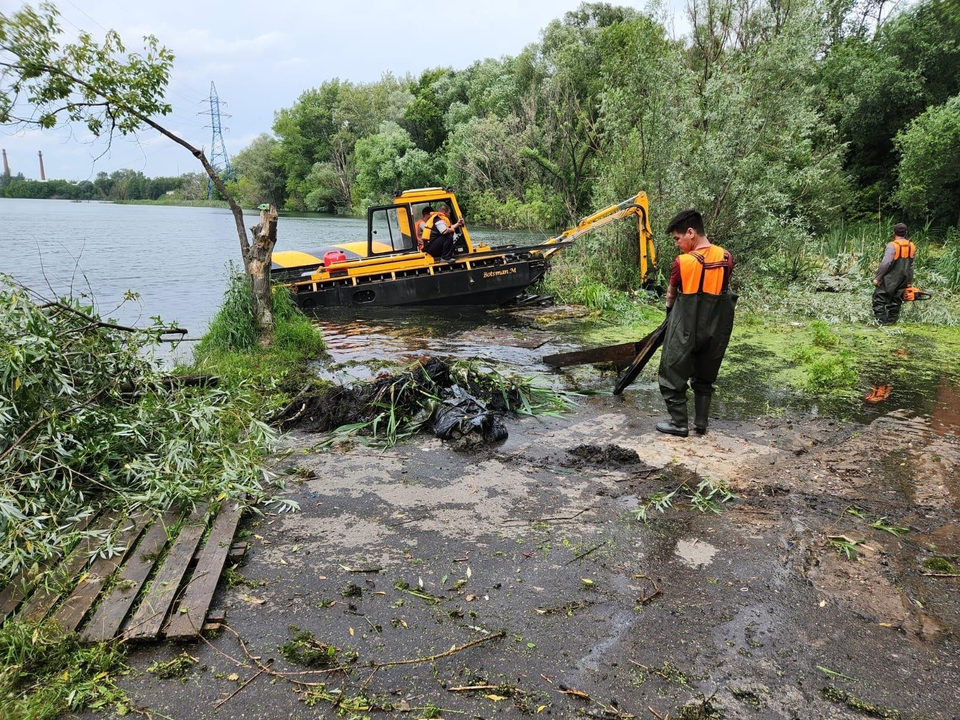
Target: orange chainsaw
x=915 y=293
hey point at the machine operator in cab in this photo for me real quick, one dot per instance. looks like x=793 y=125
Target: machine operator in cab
x=438 y=234
x=894 y=275
x=424 y=216
x=699 y=322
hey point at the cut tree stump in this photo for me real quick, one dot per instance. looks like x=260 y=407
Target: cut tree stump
x=108 y=618
x=189 y=618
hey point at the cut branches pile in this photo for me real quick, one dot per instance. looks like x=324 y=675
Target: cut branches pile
x=460 y=401
x=87 y=422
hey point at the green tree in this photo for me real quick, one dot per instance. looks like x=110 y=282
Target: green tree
x=260 y=174
x=46 y=81
x=871 y=87
x=929 y=171
x=388 y=162
x=424 y=118
x=324 y=125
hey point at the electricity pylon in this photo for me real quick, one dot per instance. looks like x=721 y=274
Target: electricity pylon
x=218 y=150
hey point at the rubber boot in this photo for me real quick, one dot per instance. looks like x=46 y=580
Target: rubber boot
x=701 y=414
x=678 y=420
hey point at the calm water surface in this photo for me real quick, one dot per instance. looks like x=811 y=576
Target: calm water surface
x=174 y=257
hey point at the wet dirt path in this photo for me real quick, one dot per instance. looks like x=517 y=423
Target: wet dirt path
x=754 y=611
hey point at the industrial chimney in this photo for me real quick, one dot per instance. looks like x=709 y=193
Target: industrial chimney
x=6 y=165
x=43 y=175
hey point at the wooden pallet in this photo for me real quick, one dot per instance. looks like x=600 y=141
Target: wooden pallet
x=152 y=586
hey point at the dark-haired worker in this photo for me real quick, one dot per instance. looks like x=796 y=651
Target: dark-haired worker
x=700 y=310
x=893 y=277
x=418 y=228
x=439 y=234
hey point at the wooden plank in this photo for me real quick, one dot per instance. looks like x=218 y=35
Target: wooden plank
x=623 y=353
x=46 y=597
x=17 y=589
x=187 y=621
x=108 y=618
x=650 y=345
x=70 y=613
x=148 y=619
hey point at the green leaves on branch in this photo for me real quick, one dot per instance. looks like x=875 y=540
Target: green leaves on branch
x=86 y=422
x=45 y=82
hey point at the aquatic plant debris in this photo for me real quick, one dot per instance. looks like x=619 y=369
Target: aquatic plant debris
x=460 y=401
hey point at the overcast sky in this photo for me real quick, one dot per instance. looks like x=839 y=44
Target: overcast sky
x=262 y=55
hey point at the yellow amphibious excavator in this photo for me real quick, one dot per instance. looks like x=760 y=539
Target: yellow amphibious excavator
x=387 y=269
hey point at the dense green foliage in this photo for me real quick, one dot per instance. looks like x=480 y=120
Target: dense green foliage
x=120 y=186
x=87 y=422
x=779 y=121
x=45 y=675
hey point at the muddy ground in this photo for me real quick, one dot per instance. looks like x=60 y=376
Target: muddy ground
x=584 y=610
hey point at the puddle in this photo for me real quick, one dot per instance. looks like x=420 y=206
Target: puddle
x=695 y=553
x=361 y=345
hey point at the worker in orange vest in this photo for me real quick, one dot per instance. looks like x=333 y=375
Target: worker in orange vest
x=893 y=277
x=700 y=310
x=439 y=234
x=427 y=212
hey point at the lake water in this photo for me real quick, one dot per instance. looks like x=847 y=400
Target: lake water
x=174 y=257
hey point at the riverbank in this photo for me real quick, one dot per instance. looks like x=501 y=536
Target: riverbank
x=692 y=577
x=642 y=569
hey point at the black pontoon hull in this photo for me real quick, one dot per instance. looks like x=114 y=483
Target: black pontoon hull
x=454 y=284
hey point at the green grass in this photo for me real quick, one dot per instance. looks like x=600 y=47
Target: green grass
x=45 y=675
x=231 y=349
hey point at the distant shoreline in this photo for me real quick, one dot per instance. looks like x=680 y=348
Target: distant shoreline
x=175 y=203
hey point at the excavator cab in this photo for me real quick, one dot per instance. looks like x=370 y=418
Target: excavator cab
x=390 y=230
x=433 y=198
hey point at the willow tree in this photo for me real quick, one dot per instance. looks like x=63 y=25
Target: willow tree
x=46 y=82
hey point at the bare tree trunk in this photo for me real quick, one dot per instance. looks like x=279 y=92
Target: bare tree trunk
x=257 y=261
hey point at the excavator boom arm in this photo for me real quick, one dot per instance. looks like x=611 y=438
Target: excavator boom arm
x=637 y=206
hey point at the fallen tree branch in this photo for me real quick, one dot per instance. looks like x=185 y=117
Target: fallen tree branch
x=245 y=683
x=438 y=656
x=582 y=555
x=113 y=326
x=549 y=519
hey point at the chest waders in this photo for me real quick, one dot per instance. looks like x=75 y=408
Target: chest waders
x=888 y=295
x=698 y=331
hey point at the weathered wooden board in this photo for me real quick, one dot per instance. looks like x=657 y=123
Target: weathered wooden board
x=108 y=618
x=189 y=618
x=17 y=589
x=651 y=344
x=46 y=597
x=149 y=617
x=70 y=613
x=622 y=353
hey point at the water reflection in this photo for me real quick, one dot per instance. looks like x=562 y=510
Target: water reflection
x=361 y=345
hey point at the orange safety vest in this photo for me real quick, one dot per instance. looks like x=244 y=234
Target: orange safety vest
x=428 y=226
x=903 y=249
x=706 y=271
x=419 y=228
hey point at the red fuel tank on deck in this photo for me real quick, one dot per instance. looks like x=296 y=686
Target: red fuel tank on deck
x=333 y=256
